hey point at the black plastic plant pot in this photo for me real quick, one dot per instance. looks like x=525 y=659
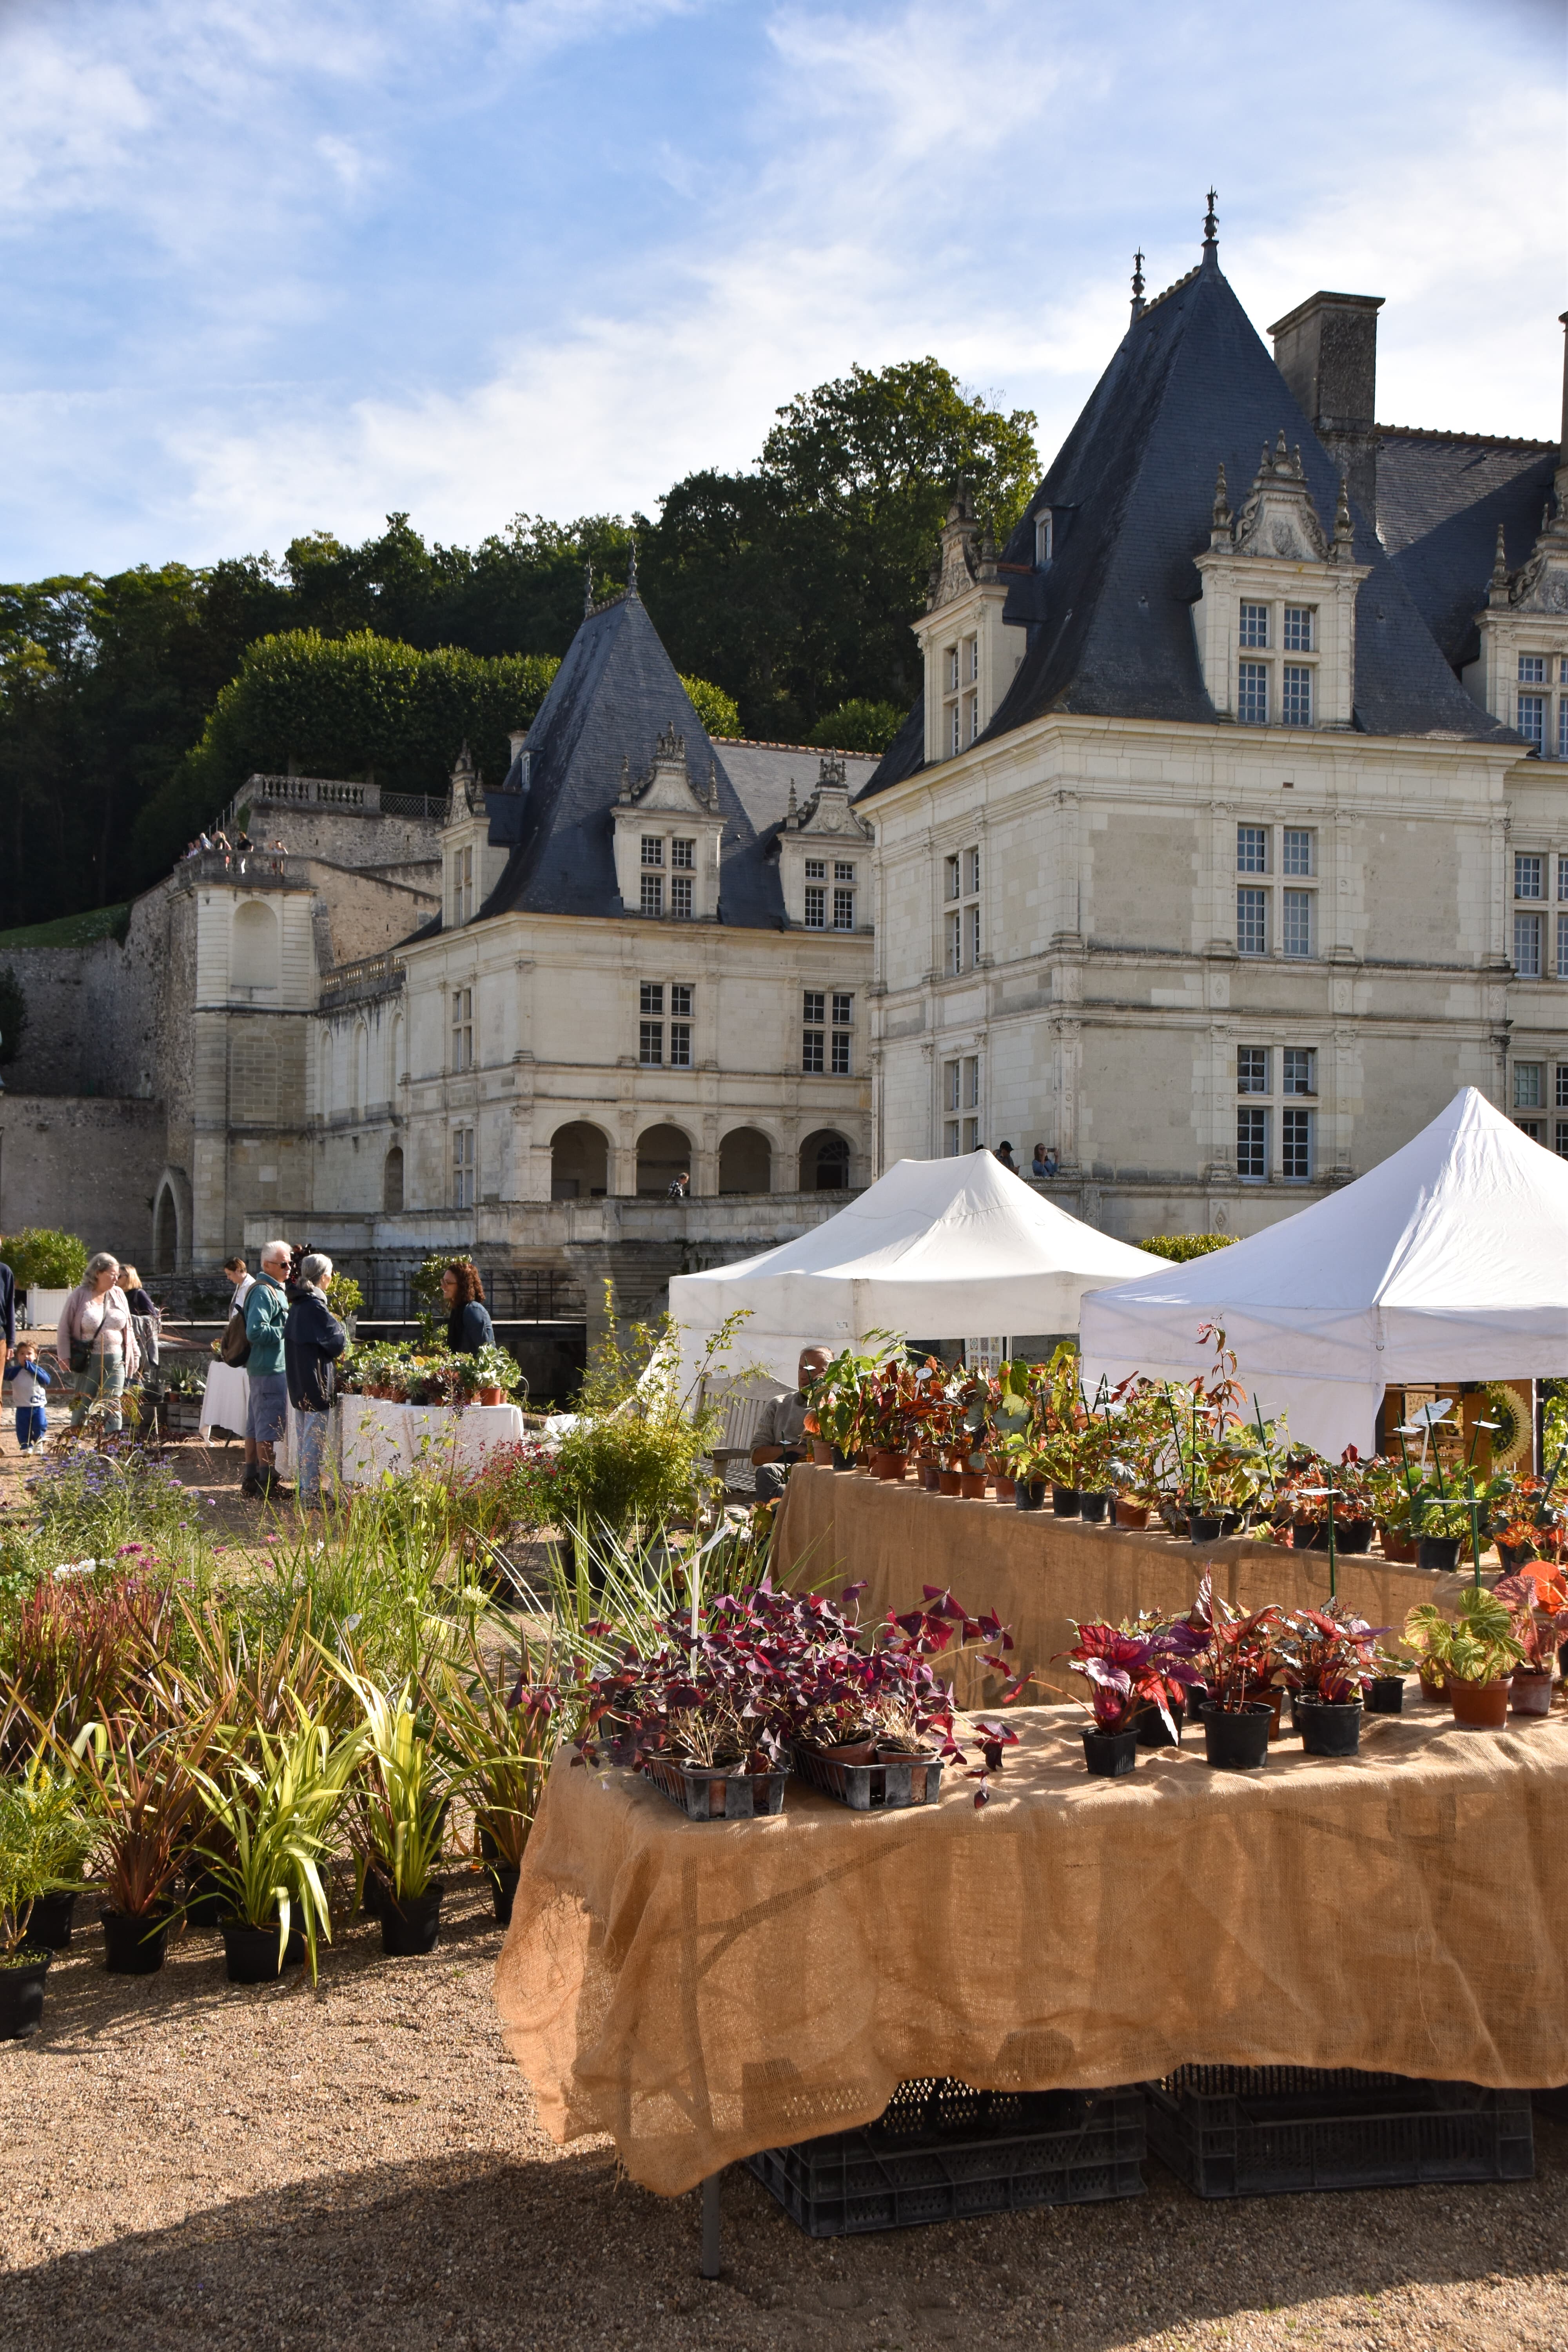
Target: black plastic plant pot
x=1029 y=1494
x=1066 y=1502
x=373 y=1901
x=1095 y=1508
x=1152 y=1731
x=1440 y=1554
x=22 y=1994
x=1237 y=1741
x=1516 y=1556
x=251 y=1953
x=49 y=1922
x=1309 y=1535
x=410 y=1927
x=1386 y=1694
x=134 y=1943
x=206 y=1904
x=1353 y=1537
x=1328 y=1729
x=503 y=1885
x=1202 y=1528
x=842 y=1461
x=1110 y=1753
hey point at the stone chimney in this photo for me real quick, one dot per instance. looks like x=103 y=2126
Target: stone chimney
x=1326 y=350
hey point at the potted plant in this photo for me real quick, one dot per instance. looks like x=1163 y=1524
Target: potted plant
x=499 y=1745
x=399 y=1827
x=1539 y=1606
x=1329 y=1665
x=61 y=1835
x=273 y=1804
x=24 y=1878
x=837 y=1404
x=147 y=1804
x=1243 y=1671
x=1476 y=1656
x=1444 y=1524
x=1389 y=1491
x=1130 y=1675
x=344 y=1299
x=492 y=1375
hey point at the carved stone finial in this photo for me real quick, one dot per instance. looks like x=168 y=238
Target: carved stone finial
x=588 y=590
x=792 y=814
x=1211 y=227
x=1220 y=531
x=713 y=781
x=1281 y=453
x=1344 y=530
x=632 y=568
x=625 y=791
x=1500 y=562
x=1138 y=283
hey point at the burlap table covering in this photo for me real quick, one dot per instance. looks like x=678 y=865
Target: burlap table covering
x=703 y=1989
x=1039 y=1573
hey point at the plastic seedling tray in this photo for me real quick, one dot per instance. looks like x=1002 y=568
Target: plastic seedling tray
x=1239 y=2131
x=943 y=2151
x=714 y=1795
x=867 y=1787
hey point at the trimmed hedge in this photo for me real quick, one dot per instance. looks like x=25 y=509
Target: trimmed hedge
x=1180 y=1247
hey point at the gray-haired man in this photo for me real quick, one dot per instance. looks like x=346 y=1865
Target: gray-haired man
x=781 y=1428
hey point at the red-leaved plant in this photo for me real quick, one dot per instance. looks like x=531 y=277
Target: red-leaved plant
x=1126 y=1674
x=1240 y=1660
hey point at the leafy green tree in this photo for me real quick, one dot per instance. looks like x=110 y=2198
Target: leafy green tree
x=858 y=726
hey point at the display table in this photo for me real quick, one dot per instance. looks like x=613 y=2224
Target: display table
x=703 y=1989
x=1041 y=1574
x=373 y=1435
x=225 y=1399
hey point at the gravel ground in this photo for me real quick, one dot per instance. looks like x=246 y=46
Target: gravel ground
x=188 y=2163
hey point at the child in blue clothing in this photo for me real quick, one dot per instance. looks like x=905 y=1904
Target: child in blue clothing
x=27 y=1383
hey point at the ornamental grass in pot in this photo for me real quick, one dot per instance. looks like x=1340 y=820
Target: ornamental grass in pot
x=404 y=1792
x=274 y=1799
x=1131 y=1677
x=40 y=1826
x=47 y=1821
x=1476 y=1656
x=500 y=1747
x=141 y=1773
x=1538 y=1602
x=1242 y=1667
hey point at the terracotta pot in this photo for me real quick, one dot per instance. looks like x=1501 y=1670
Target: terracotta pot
x=851 y=1751
x=1397 y=1547
x=1431 y=1689
x=930 y=1478
x=492 y=1396
x=1132 y=1515
x=1530 y=1691
x=820 y=1453
x=947 y=1483
x=972 y=1485
x=1006 y=1488
x=886 y=1464
x=1479 y=1706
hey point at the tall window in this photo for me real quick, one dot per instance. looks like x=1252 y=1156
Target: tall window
x=1252 y=1069
x=1298 y=628
x=462 y=1029
x=843 y=1034
x=1296 y=695
x=1528 y=1089
x=1252 y=1145
x=1532 y=720
x=652 y=901
x=973 y=913
x=1527 y=882
x=1252 y=849
x=683 y=856
x=650 y=1027
x=462 y=1166
x=1296 y=851
x=961 y=1093
x=1300 y=1070
x=961 y=877
x=1562 y=1095
x=955 y=943
x=1561 y=1144
x=1296 y=926
x=1252 y=922
x=680 y=1024
x=1296 y=1146
x=814 y=1008
x=972 y=860
x=843 y=896
x=1527 y=946
x=1043 y=539
x=1532 y=669
x=1563 y=947
x=1255 y=624
x=816 y=894
x=683 y=864
x=652 y=849
x=463 y=876
x=952 y=870
x=1562 y=721
x=1252 y=693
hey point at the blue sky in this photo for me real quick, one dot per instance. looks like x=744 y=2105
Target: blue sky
x=273 y=266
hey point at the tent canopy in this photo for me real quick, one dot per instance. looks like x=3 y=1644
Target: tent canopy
x=1447 y=1261
x=934 y=1249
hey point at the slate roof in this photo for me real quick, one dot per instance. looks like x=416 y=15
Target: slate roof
x=614 y=693
x=1131 y=491
x=1440 y=498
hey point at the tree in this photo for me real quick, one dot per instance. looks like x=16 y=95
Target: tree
x=13 y=1014
x=799 y=581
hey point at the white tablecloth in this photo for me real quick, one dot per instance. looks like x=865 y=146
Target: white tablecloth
x=225 y=1398
x=373 y=1435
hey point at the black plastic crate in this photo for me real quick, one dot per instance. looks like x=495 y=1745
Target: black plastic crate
x=942 y=2151
x=866 y=1787
x=721 y=1795
x=1265 y=2131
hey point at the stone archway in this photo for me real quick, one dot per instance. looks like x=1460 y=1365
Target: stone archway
x=579 y=1163
x=824 y=1159
x=392 y=1182
x=663 y=1154
x=171 y=1222
x=745 y=1161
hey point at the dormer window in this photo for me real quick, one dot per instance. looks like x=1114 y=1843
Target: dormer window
x=1255 y=624
x=1252 y=693
x=1043 y=539
x=682 y=857
x=1532 y=669
x=1296 y=696
x=1298 y=628
x=1276 y=620
x=652 y=849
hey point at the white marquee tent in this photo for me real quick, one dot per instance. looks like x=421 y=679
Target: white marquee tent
x=934 y=1249
x=1447 y=1261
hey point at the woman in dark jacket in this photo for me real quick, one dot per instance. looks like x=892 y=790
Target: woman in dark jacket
x=469 y=1324
x=313 y=1340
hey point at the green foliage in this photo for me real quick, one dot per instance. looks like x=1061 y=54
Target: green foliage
x=72 y=930
x=13 y=1014
x=1482 y=1647
x=1180 y=1247
x=42 y=1259
x=273 y=1802
x=634 y=1457
x=858 y=726
x=719 y=712
x=344 y=1295
x=45 y=1838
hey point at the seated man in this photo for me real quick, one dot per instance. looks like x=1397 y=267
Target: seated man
x=781 y=1428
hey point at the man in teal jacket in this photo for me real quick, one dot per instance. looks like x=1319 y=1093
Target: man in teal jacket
x=266 y=1312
